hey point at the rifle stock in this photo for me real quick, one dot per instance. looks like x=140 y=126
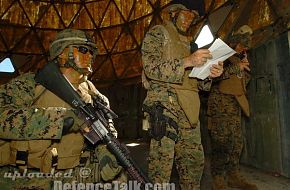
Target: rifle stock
x=52 y=79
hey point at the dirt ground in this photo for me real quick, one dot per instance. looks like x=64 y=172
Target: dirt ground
x=264 y=180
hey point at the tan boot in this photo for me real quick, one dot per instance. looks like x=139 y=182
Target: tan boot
x=237 y=181
x=219 y=183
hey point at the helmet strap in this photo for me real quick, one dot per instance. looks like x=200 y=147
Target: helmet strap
x=70 y=59
x=71 y=63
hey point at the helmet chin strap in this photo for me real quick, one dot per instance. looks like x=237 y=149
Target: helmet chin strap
x=71 y=63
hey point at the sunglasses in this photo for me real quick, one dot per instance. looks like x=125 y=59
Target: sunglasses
x=84 y=50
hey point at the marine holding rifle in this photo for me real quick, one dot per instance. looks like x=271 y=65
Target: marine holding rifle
x=172 y=100
x=40 y=133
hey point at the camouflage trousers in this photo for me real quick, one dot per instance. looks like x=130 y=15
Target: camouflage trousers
x=226 y=138
x=186 y=153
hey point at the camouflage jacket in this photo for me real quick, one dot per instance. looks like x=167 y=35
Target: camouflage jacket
x=231 y=67
x=217 y=99
x=20 y=119
x=162 y=56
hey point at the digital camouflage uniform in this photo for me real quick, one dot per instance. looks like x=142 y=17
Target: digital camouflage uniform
x=32 y=139
x=226 y=102
x=23 y=124
x=162 y=53
x=224 y=114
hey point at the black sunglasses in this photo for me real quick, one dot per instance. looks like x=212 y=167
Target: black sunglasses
x=84 y=50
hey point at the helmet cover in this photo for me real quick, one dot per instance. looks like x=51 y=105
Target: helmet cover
x=197 y=5
x=242 y=35
x=68 y=37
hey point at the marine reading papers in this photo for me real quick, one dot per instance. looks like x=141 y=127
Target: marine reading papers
x=220 y=51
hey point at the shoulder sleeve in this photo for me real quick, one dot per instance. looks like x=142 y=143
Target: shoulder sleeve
x=156 y=65
x=31 y=123
x=18 y=92
x=19 y=119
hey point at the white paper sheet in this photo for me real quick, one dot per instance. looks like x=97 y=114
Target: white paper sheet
x=220 y=51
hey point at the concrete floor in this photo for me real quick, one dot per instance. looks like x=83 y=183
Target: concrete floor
x=264 y=181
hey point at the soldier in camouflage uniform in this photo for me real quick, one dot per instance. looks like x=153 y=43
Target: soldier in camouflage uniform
x=167 y=62
x=39 y=132
x=226 y=102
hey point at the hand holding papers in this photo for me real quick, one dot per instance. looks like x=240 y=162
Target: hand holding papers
x=220 y=51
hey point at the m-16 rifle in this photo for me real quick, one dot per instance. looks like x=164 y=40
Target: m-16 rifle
x=95 y=116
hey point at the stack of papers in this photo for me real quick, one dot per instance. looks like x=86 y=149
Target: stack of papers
x=220 y=51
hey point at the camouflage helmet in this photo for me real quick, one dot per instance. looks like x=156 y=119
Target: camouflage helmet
x=242 y=35
x=197 y=5
x=69 y=37
x=175 y=7
x=244 y=30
